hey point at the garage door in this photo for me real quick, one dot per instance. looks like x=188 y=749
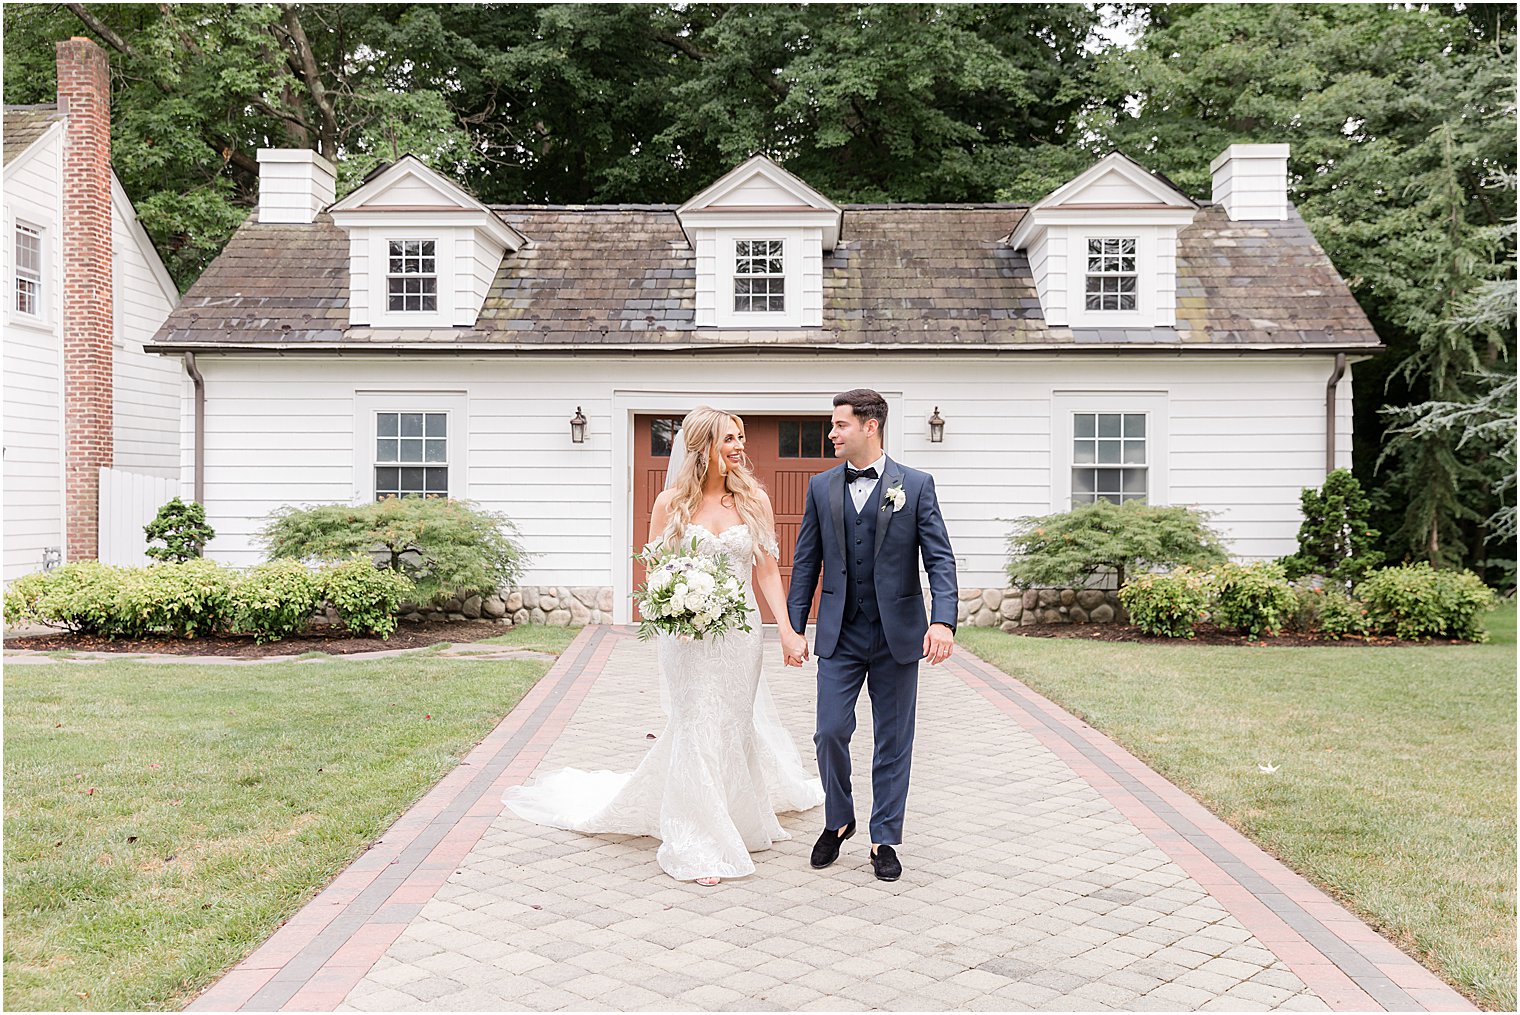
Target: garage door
x=787 y=451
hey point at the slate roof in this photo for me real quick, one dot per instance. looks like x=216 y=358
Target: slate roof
x=903 y=275
x=23 y=125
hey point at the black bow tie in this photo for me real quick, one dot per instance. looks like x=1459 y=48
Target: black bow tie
x=851 y=475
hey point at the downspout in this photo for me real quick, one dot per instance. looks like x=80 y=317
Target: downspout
x=199 y=428
x=1330 y=386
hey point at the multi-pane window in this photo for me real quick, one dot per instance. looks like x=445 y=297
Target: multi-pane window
x=804 y=438
x=1112 y=281
x=411 y=454
x=1108 y=457
x=412 y=281
x=662 y=435
x=759 y=277
x=28 y=270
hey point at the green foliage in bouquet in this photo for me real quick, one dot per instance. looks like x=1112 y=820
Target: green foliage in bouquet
x=276 y=600
x=689 y=594
x=365 y=596
x=444 y=547
x=1335 y=539
x=183 y=529
x=1069 y=548
x=1419 y=601
x=1167 y=605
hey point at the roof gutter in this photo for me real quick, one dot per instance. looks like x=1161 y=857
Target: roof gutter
x=600 y=349
x=199 y=428
x=1331 y=386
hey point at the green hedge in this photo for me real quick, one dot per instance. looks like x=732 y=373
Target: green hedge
x=1418 y=601
x=195 y=598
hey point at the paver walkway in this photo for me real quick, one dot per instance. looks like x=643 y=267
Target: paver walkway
x=1046 y=868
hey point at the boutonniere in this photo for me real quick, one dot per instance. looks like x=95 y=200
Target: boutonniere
x=895 y=497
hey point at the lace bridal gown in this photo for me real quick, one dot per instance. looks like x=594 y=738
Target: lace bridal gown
x=711 y=786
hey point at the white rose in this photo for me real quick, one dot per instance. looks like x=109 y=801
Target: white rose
x=701 y=620
x=661 y=579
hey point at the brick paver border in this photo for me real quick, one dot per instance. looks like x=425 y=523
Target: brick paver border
x=1348 y=964
x=316 y=958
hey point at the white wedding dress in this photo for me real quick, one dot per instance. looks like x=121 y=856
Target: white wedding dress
x=711 y=786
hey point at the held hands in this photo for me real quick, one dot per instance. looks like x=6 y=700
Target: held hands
x=939 y=642
x=794 y=650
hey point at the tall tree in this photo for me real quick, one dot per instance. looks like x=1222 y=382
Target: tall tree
x=1395 y=116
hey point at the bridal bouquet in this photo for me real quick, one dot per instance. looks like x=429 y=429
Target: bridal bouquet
x=689 y=595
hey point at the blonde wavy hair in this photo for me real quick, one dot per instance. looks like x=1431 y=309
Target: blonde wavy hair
x=701 y=430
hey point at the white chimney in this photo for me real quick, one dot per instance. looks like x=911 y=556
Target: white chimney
x=1251 y=182
x=294 y=184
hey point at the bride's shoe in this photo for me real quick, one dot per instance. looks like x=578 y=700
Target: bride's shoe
x=709 y=882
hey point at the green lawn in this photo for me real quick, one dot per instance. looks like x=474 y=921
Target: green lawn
x=1395 y=788
x=223 y=798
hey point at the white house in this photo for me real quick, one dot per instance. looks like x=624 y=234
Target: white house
x=1117 y=339
x=86 y=291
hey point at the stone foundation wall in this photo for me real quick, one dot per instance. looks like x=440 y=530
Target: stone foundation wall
x=554 y=605
x=1012 y=608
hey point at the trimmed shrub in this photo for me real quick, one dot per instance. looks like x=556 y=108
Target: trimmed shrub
x=1340 y=616
x=1069 y=548
x=183 y=529
x=79 y=597
x=1167 y=605
x=1417 y=601
x=365 y=596
x=276 y=600
x=1253 y=598
x=1335 y=539
x=187 y=599
x=445 y=547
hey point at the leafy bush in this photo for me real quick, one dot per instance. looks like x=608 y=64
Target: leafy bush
x=365 y=596
x=187 y=599
x=1341 y=616
x=1069 y=548
x=1253 y=598
x=1335 y=538
x=79 y=597
x=445 y=547
x=276 y=600
x=1417 y=601
x=183 y=529
x=1167 y=605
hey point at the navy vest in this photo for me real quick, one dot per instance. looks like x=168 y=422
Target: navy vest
x=860 y=554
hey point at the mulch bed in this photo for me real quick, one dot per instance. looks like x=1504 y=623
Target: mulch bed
x=1209 y=634
x=333 y=640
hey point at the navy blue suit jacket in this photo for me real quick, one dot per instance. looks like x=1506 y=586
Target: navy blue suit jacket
x=903 y=536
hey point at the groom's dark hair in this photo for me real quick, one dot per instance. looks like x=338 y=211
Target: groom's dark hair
x=867 y=404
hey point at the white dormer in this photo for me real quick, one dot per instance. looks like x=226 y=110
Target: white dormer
x=1103 y=247
x=759 y=234
x=422 y=251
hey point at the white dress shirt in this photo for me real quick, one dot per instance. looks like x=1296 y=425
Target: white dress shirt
x=860 y=490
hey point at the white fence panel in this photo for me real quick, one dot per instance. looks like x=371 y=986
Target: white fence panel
x=129 y=501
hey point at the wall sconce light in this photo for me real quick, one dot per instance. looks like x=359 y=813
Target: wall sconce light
x=578 y=427
x=936 y=427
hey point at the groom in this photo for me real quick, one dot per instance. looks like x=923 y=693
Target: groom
x=865 y=526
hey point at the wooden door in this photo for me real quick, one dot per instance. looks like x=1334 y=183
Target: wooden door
x=786 y=451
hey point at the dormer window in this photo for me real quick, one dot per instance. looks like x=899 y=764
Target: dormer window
x=759 y=276
x=1112 y=281
x=412 y=282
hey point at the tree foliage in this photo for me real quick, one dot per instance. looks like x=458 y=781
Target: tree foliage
x=1335 y=540
x=1071 y=547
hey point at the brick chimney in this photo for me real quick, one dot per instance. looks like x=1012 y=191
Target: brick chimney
x=84 y=96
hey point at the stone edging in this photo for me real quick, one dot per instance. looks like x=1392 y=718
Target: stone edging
x=1011 y=609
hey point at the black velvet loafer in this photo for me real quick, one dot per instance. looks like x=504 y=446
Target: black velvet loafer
x=886 y=864
x=826 y=849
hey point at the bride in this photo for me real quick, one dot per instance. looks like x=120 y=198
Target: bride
x=711 y=786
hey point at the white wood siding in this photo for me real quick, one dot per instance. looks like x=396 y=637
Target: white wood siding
x=1244 y=435
x=32 y=354
x=145 y=386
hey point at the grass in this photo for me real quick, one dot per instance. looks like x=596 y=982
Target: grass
x=1395 y=790
x=223 y=799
